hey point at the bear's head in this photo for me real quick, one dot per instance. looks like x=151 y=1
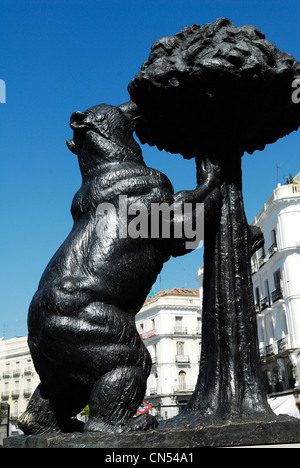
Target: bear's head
x=104 y=132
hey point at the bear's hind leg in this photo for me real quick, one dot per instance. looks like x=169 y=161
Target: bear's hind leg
x=114 y=401
x=38 y=417
x=44 y=415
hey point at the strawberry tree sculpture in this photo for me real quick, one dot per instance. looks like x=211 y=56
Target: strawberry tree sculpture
x=213 y=93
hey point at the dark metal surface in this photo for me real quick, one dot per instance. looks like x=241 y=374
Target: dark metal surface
x=207 y=92
x=226 y=435
x=213 y=93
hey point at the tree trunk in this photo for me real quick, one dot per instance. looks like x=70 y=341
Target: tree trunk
x=230 y=384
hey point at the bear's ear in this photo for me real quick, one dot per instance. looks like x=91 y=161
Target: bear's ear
x=78 y=120
x=71 y=145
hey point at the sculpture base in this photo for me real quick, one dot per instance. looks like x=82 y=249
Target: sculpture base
x=227 y=435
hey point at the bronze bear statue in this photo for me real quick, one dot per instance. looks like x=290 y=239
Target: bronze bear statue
x=82 y=334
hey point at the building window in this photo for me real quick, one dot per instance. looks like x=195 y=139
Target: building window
x=15 y=412
x=156 y=382
x=198 y=329
x=262 y=258
x=277 y=279
x=180 y=348
x=257 y=300
x=28 y=368
x=284 y=329
x=5 y=392
x=27 y=389
x=291 y=374
x=16 y=372
x=273 y=247
x=266 y=300
x=271 y=332
x=15 y=392
x=277 y=293
x=182 y=381
x=178 y=324
x=268 y=381
x=278 y=379
x=179 y=329
x=6 y=372
x=154 y=359
x=181 y=358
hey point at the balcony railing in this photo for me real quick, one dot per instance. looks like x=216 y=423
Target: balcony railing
x=27 y=392
x=183 y=389
x=261 y=261
x=272 y=250
x=181 y=358
x=180 y=330
x=269 y=350
x=264 y=303
x=276 y=348
x=276 y=295
x=147 y=335
x=28 y=370
x=178 y=389
x=283 y=344
x=257 y=264
x=4 y=395
x=15 y=393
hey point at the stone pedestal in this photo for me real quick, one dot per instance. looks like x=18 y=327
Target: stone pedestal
x=227 y=435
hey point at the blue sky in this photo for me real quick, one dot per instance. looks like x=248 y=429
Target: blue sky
x=59 y=56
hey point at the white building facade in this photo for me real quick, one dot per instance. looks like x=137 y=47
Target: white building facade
x=276 y=287
x=170 y=326
x=18 y=378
